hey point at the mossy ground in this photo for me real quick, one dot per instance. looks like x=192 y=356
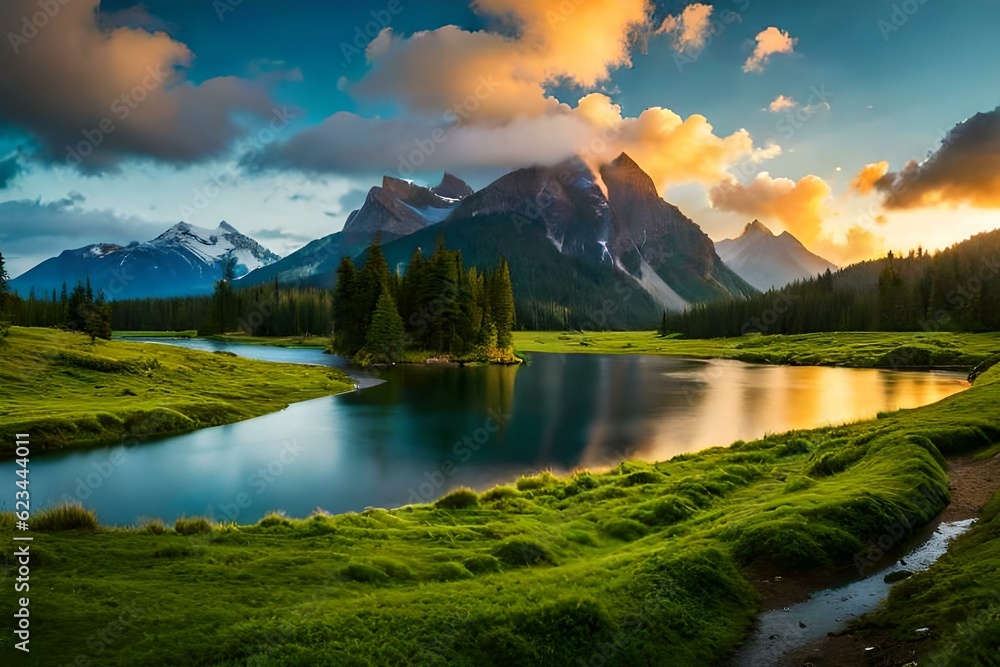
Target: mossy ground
x=957 y=600
x=855 y=349
x=68 y=392
x=641 y=564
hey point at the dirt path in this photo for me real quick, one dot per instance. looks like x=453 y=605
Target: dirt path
x=973 y=484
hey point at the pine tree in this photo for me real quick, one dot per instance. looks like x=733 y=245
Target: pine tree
x=502 y=305
x=663 y=325
x=98 y=321
x=384 y=341
x=4 y=299
x=347 y=332
x=4 y=278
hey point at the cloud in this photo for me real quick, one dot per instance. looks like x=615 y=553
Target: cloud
x=802 y=207
x=504 y=70
x=34 y=231
x=965 y=170
x=10 y=167
x=769 y=42
x=781 y=103
x=866 y=179
x=670 y=148
x=481 y=100
x=689 y=31
x=277 y=234
x=109 y=93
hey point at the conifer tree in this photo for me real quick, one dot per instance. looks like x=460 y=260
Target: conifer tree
x=384 y=341
x=502 y=305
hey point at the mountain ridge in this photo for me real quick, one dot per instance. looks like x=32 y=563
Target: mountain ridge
x=767 y=261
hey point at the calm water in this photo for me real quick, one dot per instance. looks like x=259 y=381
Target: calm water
x=426 y=429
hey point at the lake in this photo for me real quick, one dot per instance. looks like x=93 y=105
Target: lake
x=426 y=429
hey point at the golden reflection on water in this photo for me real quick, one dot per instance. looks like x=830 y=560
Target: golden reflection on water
x=723 y=401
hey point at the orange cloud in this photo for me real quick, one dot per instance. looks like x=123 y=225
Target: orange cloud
x=965 y=170
x=690 y=30
x=864 y=181
x=502 y=76
x=113 y=92
x=781 y=103
x=769 y=43
x=802 y=207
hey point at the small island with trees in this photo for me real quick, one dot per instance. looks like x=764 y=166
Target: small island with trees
x=434 y=309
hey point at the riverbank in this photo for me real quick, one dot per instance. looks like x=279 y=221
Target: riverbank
x=898 y=351
x=67 y=392
x=948 y=614
x=647 y=563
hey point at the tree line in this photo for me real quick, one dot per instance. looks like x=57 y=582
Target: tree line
x=436 y=306
x=76 y=310
x=957 y=289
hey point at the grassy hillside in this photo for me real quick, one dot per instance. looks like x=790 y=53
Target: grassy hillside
x=854 y=349
x=67 y=392
x=641 y=564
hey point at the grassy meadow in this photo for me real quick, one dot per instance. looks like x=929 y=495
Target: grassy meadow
x=646 y=563
x=68 y=392
x=854 y=349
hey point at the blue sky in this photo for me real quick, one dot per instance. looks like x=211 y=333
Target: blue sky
x=868 y=81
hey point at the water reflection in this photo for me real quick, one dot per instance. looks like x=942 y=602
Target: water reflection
x=429 y=428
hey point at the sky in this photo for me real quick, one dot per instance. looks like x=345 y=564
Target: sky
x=860 y=126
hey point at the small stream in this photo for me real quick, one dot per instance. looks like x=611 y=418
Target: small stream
x=781 y=631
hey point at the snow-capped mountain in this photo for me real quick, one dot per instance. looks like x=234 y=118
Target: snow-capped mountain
x=765 y=260
x=395 y=209
x=183 y=260
x=399 y=208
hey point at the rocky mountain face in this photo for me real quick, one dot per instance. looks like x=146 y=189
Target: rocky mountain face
x=395 y=209
x=399 y=208
x=664 y=249
x=183 y=260
x=625 y=225
x=766 y=260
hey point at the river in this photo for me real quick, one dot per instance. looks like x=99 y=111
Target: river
x=426 y=429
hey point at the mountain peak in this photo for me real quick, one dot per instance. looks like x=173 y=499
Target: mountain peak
x=452 y=187
x=756 y=227
x=624 y=171
x=226 y=227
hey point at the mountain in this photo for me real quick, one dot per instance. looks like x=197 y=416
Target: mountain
x=581 y=256
x=598 y=249
x=661 y=247
x=396 y=209
x=765 y=260
x=183 y=260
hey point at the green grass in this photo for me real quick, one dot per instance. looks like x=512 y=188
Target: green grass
x=189 y=333
x=67 y=392
x=958 y=598
x=855 y=349
x=640 y=564
x=276 y=341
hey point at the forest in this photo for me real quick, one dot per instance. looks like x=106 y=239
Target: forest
x=956 y=289
x=435 y=307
